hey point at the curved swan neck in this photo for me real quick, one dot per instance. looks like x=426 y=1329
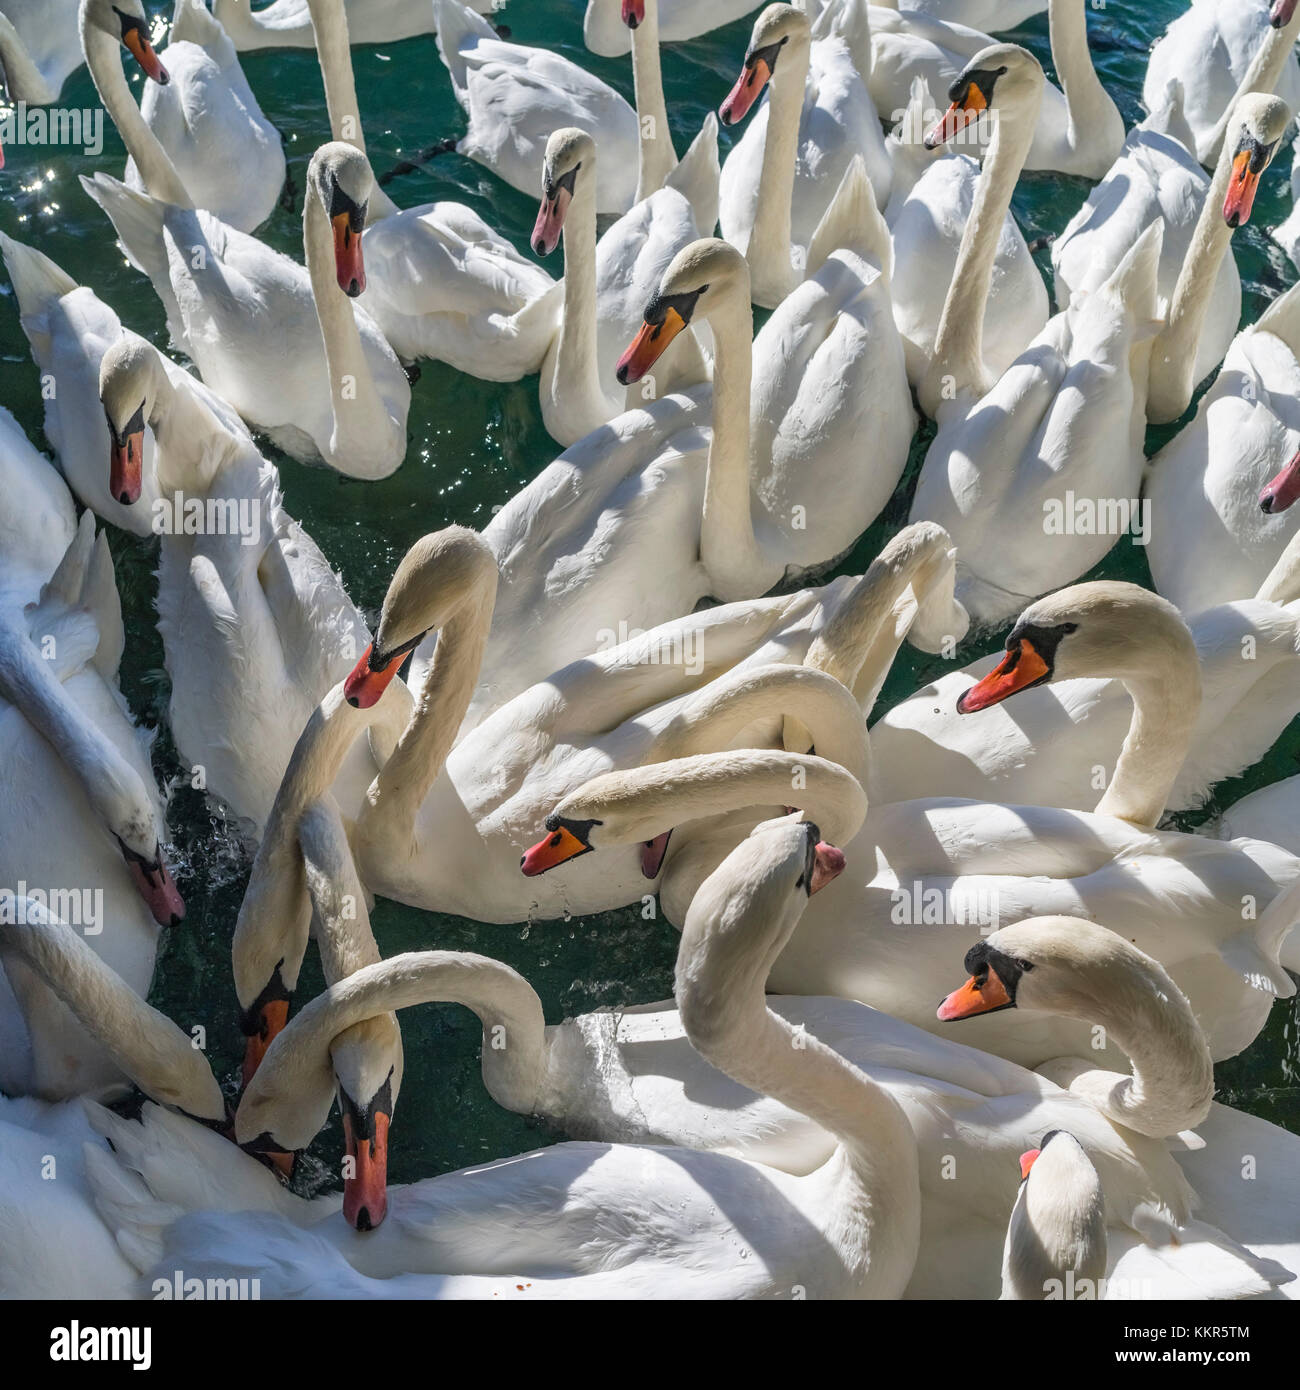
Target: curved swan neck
x=148 y=1047
x=360 y=416
x=769 y=249
x=329 y=22
x=729 y=549
x=104 y=59
x=1173 y=354
x=22 y=78
x=959 y=342
x=1089 y=108
x=658 y=158
x=716 y=715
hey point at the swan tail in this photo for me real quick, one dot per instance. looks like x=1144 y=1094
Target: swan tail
x=1198 y=1262
x=1169 y=119
x=853 y=221
x=455 y=23
x=910 y=130
x=100 y=598
x=138 y=221
x=192 y=22
x=1255 y=953
x=850 y=21
x=697 y=176
x=135 y=1218
x=1282 y=319
x=38 y=284
x=66 y=585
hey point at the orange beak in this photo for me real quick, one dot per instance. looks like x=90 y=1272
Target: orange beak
x=365 y=1193
x=348 y=263
x=275 y=1014
x=142 y=51
x=364 y=684
x=126 y=468
x=1018 y=670
x=648 y=346
x=973 y=998
x=1242 y=186
x=1027 y=1162
x=749 y=86
x=557 y=848
x=282 y=1163
x=1282 y=490
x=957 y=117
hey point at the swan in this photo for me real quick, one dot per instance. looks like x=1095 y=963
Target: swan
x=69 y=328
x=288 y=23
x=198 y=140
x=1065 y=422
x=1254 y=130
x=988 y=15
x=643 y=700
x=1219 y=50
x=440 y=282
x=256 y=625
x=75 y=759
x=819 y=116
x=1079 y=130
x=606 y=32
x=775 y=485
x=39 y=48
x=37 y=521
x=1287 y=232
x=515 y=96
x=1156 y=176
x=938 y=869
x=722 y=1226
x=1218 y=543
x=281 y=343
x=608 y=283
x=1060 y=742
x=928 y=211
x=1057 y=1229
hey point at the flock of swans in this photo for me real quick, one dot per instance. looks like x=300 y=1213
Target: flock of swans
x=803 y=1118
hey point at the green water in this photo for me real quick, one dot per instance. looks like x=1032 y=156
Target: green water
x=473 y=444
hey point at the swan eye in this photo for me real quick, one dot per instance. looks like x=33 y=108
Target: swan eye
x=1069 y=627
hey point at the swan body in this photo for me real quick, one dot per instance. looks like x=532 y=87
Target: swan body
x=1287 y=232
x=1213 y=49
x=282 y=343
x=288 y=23
x=39 y=49
x=604 y=32
x=991 y=16
x=1217 y=544
x=782 y=174
x=515 y=96
x=1157 y=176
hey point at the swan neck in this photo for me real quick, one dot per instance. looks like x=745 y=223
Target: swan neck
x=576 y=359
x=658 y=158
x=1261 y=75
x=770 y=238
x=1165 y=710
x=1089 y=109
x=104 y=59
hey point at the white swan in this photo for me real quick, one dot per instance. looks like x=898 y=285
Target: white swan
x=1058 y=744
x=1065 y=421
x=256 y=625
x=283 y=344
x=1057 y=1231
x=69 y=328
x=228 y=155
x=605 y=31
x=1079 y=130
x=608 y=283
x=39 y=48
x=440 y=282
x=1219 y=50
x=782 y=174
x=288 y=23
x=1156 y=176
x=87 y=821
x=991 y=16
x=1217 y=541
x=515 y=96
x=1254 y=129
x=932 y=202
x=935 y=869
x=1287 y=232
x=779 y=485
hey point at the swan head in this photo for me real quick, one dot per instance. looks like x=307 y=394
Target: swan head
x=125 y=21
x=367 y=1061
x=1281 y=491
x=1259 y=121
x=342 y=180
x=437 y=577
x=699 y=278
x=1056 y=1237
x=570 y=152
x=1281 y=13
x=1111 y=629
x=1003 y=77
x=741 y=917
x=633 y=13
x=779 y=27
x=128 y=390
